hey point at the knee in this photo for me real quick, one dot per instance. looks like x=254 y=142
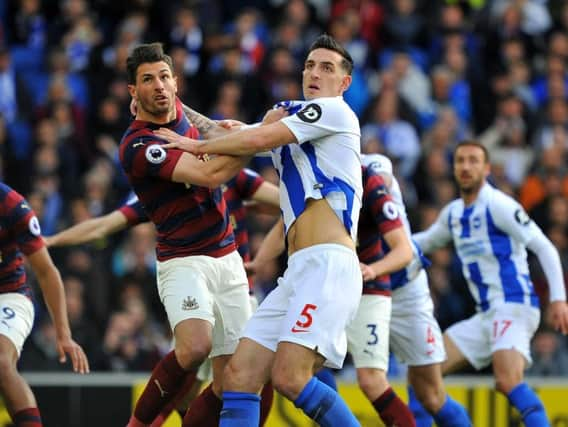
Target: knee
x=432 y=401
x=190 y=356
x=238 y=378
x=289 y=382
x=505 y=384
x=373 y=382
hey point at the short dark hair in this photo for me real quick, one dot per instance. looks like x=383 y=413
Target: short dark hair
x=143 y=54
x=325 y=41
x=474 y=143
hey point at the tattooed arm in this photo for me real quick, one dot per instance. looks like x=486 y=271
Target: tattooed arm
x=207 y=128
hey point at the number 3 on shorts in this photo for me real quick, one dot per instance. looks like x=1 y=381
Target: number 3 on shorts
x=306 y=316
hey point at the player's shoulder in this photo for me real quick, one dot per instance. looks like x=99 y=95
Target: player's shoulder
x=330 y=109
x=497 y=199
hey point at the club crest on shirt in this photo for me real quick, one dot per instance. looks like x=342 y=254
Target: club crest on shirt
x=34 y=227
x=310 y=114
x=155 y=154
x=390 y=211
x=522 y=217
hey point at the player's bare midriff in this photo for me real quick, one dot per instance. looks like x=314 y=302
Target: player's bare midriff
x=318 y=224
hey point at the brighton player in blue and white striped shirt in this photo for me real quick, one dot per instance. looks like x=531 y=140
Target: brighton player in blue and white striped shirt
x=415 y=336
x=491 y=232
x=301 y=324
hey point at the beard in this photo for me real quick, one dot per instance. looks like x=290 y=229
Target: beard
x=154 y=108
x=471 y=188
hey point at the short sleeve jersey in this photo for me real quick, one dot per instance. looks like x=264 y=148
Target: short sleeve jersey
x=325 y=163
x=190 y=219
x=133 y=211
x=20 y=234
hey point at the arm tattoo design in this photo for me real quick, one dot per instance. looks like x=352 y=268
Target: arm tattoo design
x=202 y=123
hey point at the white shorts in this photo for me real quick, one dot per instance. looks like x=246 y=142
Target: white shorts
x=368 y=333
x=16 y=318
x=212 y=289
x=505 y=327
x=415 y=336
x=313 y=303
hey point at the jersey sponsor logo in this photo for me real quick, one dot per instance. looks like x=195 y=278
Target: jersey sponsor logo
x=390 y=211
x=34 y=227
x=155 y=154
x=189 y=303
x=522 y=217
x=310 y=114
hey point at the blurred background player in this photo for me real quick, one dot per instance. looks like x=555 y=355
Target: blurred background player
x=20 y=235
x=415 y=336
x=491 y=233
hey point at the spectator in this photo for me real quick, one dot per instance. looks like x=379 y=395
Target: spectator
x=549 y=355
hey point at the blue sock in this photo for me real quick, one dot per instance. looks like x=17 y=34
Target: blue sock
x=421 y=415
x=240 y=409
x=452 y=414
x=323 y=405
x=529 y=405
x=326 y=376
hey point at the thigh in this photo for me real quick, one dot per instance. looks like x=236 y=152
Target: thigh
x=368 y=333
x=471 y=338
x=248 y=368
x=16 y=318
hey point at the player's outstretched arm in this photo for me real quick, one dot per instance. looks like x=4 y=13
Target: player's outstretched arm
x=549 y=259
x=89 y=230
x=54 y=296
x=245 y=142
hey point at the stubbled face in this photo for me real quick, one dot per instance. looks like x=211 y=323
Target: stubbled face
x=470 y=168
x=155 y=91
x=323 y=75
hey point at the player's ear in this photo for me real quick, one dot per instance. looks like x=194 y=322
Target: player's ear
x=132 y=91
x=346 y=82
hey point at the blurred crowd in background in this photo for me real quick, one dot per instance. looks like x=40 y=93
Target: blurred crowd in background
x=428 y=73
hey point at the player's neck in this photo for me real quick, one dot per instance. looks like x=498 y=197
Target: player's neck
x=469 y=196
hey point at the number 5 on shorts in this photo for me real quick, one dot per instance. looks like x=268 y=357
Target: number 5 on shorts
x=305 y=314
